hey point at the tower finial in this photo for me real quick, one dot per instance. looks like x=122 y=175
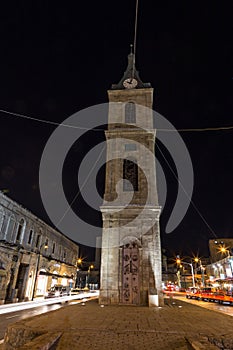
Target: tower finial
x=135 y=28
x=131 y=48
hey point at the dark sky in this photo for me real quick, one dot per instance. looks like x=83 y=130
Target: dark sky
x=60 y=57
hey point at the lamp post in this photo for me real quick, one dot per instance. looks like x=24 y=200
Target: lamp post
x=202 y=270
x=37 y=268
x=178 y=261
x=88 y=275
x=192 y=272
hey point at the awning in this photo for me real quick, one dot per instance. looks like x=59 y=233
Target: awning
x=46 y=273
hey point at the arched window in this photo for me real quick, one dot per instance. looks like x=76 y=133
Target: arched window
x=130 y=173
x=38 y=241
x=46 y=245
x=1 y=218
x=10 y=230
x=54 y=247
x=130 y=113
x=30 y=237
x=20 y=231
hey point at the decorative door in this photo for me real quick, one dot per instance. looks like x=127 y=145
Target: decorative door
x=130 y=274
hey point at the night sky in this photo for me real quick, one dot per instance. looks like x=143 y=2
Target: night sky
x=58 y=58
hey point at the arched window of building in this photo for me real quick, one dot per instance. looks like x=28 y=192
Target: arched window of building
x=10 y=230
x=61 y=253
x=54 y=247
x=2 y=266
x=130 y=113
x=46 y=245
x=30 y=236
x=130 y=173
x=1 y=219
x=20 y=231
x=38 y=241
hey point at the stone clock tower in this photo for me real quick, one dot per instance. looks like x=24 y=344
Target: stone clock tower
x=131 y=252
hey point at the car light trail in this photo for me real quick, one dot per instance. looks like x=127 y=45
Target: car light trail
x=4 y=309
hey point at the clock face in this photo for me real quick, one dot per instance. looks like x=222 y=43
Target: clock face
x=130 y=83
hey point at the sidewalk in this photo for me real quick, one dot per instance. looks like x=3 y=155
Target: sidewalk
x=178 y=325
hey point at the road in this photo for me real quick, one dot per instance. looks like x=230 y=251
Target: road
x=7 y=318
x=10 y=313
x=224 y=309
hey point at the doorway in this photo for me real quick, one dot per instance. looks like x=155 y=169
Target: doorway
x=130 y=274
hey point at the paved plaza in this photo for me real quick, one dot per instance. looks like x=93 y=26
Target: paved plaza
x=178 y=325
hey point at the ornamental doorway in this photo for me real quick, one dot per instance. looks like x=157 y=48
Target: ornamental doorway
x=130 y=274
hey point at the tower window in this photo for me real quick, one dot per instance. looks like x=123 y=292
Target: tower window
x=130 y=113
x=54 y=246
x=130 y=173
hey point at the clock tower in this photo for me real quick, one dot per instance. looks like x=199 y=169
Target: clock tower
x=131 y=251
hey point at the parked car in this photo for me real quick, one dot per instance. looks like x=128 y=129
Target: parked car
x=57 y=291
x=207 y=294
x=170 y=288
x=193 y=293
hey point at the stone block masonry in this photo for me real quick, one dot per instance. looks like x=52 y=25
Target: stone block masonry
x=176 y=326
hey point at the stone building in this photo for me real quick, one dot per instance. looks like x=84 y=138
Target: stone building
x=131 y=252
x=33 y=255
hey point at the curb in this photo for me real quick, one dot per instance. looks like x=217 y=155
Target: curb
x=202 y=343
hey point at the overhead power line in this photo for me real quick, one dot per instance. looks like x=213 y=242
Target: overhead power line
x=23 y=116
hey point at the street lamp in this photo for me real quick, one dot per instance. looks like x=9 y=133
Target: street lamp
x=79 y=261
x=192 y=272
x=202 y=270
x=88 y=275
x=224 y=250
x=179 y=262
x=37 y=268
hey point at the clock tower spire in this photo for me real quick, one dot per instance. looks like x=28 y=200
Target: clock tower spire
x=130 y=79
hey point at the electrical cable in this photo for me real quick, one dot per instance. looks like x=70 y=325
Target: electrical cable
x=23 y=116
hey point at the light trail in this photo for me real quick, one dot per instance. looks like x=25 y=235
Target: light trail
x=8 y=308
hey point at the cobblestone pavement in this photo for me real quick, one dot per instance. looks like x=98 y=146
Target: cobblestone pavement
x=178 y=325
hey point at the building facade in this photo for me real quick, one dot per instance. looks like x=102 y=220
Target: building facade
x=131 y=252
x=33 y=255
x=220 y=248
x=221 y=270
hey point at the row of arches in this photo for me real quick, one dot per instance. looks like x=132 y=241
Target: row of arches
x=13 y=230
x=20 y=232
